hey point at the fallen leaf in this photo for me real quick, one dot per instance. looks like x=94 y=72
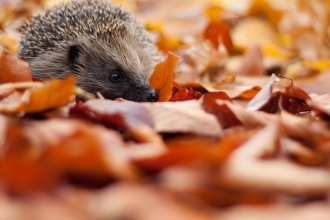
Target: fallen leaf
x=194 y=85
x=218 y=30
x=162 y=78
x=250 y=93
x=253 y=31
x=225 y=116
x=206 y=58
x=123 y=201
x=53 y=93
x=263 y=8
x=316 y=83
x=251 y=62
x=13 y=69
x=8 y=43
x=184 y=94
x=275 y=211
x=263 y=96
x=248 y=118
x=187 y=150
x=21 y=170
x=186 y=117
x=127 y=115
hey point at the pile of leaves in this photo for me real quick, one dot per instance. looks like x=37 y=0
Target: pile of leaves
x=227 y=139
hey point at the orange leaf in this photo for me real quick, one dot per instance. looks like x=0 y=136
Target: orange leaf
x=21 y=170
x=216 y=30
x=184 y=94
x=197 y=87
x=13 y=69
x=53 y=94
x=190 y=149
x=261 y=7
x=250 y=93
x=162 y=78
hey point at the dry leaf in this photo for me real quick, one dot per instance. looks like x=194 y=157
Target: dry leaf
x=264 y=95
x=13 y=69
x=162 y=78
x=218 y=30
x=187 y=117
x=251 y=62
x=253 y=31
x=184 y=94
x=127 y=115
x=225 y=116
x=189 y=150
x=53 y=93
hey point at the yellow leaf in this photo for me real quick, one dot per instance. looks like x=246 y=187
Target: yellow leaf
x=264 y=8
x=318 y=65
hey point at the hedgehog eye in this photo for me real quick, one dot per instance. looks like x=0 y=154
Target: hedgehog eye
x=115 y=76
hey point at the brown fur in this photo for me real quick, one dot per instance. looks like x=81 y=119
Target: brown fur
x=92 y=40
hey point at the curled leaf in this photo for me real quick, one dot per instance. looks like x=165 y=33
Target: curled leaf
x=162 y=78
x=13 y=69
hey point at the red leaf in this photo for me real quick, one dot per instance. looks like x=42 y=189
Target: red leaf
x=184 y=94
x=225 y=116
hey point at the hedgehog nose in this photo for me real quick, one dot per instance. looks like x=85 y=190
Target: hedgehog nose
x=152 y=96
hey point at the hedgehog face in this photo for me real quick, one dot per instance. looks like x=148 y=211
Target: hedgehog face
x=107 y=49
x=112 y=71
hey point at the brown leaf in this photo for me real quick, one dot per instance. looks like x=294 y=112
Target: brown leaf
x=38 y=208
x=13 y=69
x=225 y=116
x=186 y=117
x=251 y=62
x=162 y=78
x=206 y=58
x=312 y=135
x=307 y=211
x=87 y=152
x=248 y=118
x=123 y=201
x=304 y=154
x=294 y=99
x=218 y=30
x=53 y=93
x=194 y=85
x=127 y=115
x=320 y=106
x=246 y=171
x=184 y=94
x=316 y=83
x=190 y=149
x=273 y=176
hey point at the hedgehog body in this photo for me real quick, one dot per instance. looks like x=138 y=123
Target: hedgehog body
x=107 y=49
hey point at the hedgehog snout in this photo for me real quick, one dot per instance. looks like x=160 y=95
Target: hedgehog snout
x=152 y=96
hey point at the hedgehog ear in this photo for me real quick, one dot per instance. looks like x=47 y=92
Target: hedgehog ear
x=74 y=52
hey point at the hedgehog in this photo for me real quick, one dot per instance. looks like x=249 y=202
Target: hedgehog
x=105 y=47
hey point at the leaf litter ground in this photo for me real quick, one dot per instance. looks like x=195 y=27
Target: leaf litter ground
x=228 y=140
